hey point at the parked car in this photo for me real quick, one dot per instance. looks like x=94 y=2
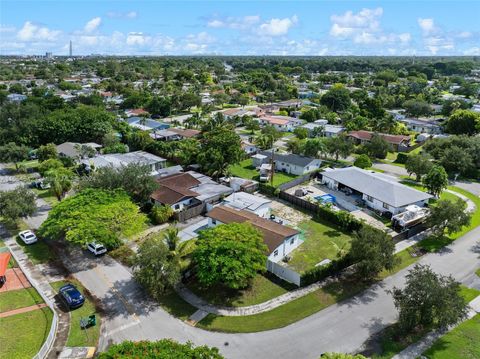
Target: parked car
x=40 y=184
x=96 y=248
x=28 y=237
x=72 y=296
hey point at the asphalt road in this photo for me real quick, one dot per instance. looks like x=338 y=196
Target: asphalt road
x=343 y=327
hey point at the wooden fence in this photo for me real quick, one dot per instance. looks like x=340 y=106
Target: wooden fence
x=186 y=214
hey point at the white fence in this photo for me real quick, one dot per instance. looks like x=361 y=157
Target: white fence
x=47 y=345
x=284 y=272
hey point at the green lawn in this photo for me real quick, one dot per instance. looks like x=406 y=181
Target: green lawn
x=261 y=290
x=391 y=344
x=47 y=195
x=246 y=170
x=77 y=336
x=38 y=252
x=416 y=151
x=322 y=240
x=286 y=314
x=475 y=222
x=22 y=335
x=392 y=156
x=463 y=342
x=478 y=272
x=176 y=306
x=20 y=298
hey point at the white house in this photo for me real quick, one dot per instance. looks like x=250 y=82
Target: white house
x=279 y=239
x=117 y=160
x=281 y=123
x=288 y=163
x=249 y=202
x=377 y=190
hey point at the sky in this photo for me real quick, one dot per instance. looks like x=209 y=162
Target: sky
x=262 y=27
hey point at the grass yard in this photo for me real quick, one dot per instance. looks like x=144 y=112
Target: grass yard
x=176 y=306
x=38 y=252
x=47 y=195
x=478 y=272
x=321 y=241
x=391 y=344
x=286 y=314
x=19 y=298
x=261 y=290
x=246 y=170
x=77 y=336
x=392 y=156
x=462 y=342
x=25 y=335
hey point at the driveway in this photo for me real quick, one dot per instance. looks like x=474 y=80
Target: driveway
x=391 y=169
x=342 y=327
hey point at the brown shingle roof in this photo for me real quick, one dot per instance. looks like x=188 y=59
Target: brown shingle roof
x=273 y=233
x=188 y=133
x=182 y=180
x=172 y=195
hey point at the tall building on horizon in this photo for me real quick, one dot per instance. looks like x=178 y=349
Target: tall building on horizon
x=71 y=49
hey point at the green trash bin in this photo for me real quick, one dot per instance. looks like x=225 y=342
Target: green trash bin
x=92 y=320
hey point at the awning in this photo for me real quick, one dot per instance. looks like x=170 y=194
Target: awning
x=4 y=259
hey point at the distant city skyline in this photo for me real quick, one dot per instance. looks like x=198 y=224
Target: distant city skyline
x=266 y=27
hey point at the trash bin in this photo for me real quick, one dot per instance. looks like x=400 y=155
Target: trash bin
x=92 y=320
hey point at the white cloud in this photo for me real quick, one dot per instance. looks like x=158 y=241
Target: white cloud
x=92 y=25
x=349 y=23
x=137 y=38
x=427 y=25
x=122 y=15
x=277 y=27
x=32 y=32
x=473 y=51
x=238 y=23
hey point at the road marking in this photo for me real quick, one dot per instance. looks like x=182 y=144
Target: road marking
x=122 y=328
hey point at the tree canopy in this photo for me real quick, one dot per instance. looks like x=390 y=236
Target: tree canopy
x=94 y=215
x=449 y=216
x=230 y=255
x=17 y=203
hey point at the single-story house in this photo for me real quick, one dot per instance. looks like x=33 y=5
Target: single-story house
x=249 y=202
x=165 y=135
x=249 y=147
x=146 y=124
x=377 y=190
x=76 y=150
x=398 y=142
x=185 y=132
x=184 y=190
x=326 y=129
x=288 y=163
x=136 y=112
x=281 y=123
x=16 y=97
x=117 y=160
x=422 y=126
x=279 y=239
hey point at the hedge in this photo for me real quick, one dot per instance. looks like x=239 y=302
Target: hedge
x=401 y=158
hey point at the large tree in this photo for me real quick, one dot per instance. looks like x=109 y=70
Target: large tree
x=17 y=203
x=134 y=178
x=230 y=255
x=372 y=251
x=94 y=215
x=428 y=300
x=339 y=146
x=449 y=216
x=156 y=267
x=164 y=349
x=14 y=153
x=337 y=98
x=363 y=161
x=378 y=147
x=220 y=148
x=419 y=165
x=46 y=152
x=463 y=122
x=436 y=180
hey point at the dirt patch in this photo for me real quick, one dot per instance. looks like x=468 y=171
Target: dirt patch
x=283 y=210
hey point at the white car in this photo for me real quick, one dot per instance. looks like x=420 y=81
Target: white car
x=28 y=237
x=96 y=248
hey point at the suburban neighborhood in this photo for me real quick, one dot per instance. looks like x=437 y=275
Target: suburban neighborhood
x=209 y=205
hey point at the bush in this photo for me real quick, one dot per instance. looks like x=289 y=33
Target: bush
x=51 y=164
x=318 y=273
x=401 y=158
x=341 y=218
x=363 y=161
x=124 y=255
x=161 y=214
x=267 y=189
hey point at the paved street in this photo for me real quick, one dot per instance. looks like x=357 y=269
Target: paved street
x=342 y=327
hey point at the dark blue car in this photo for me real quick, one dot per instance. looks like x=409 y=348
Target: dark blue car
x=72 y=296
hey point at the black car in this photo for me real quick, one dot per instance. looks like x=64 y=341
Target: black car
x=72 y=296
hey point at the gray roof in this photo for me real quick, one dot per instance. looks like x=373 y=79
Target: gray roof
x=243 y=200
x=122 y=159
x=291 y=158
x=377 y=186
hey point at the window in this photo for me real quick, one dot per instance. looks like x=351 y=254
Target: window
x=275 y=253
x=292 y=240
x=385 y=206
x=369 y=198
x=177 y=206
x=214 y=221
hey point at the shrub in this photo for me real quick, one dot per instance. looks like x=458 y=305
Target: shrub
x=363 y=161
x=266 y=189
x=318 y=273
x=161 y=214
x=401 y=158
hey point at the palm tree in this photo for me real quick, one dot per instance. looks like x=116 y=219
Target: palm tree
x=174 y=244
x=60 y=179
